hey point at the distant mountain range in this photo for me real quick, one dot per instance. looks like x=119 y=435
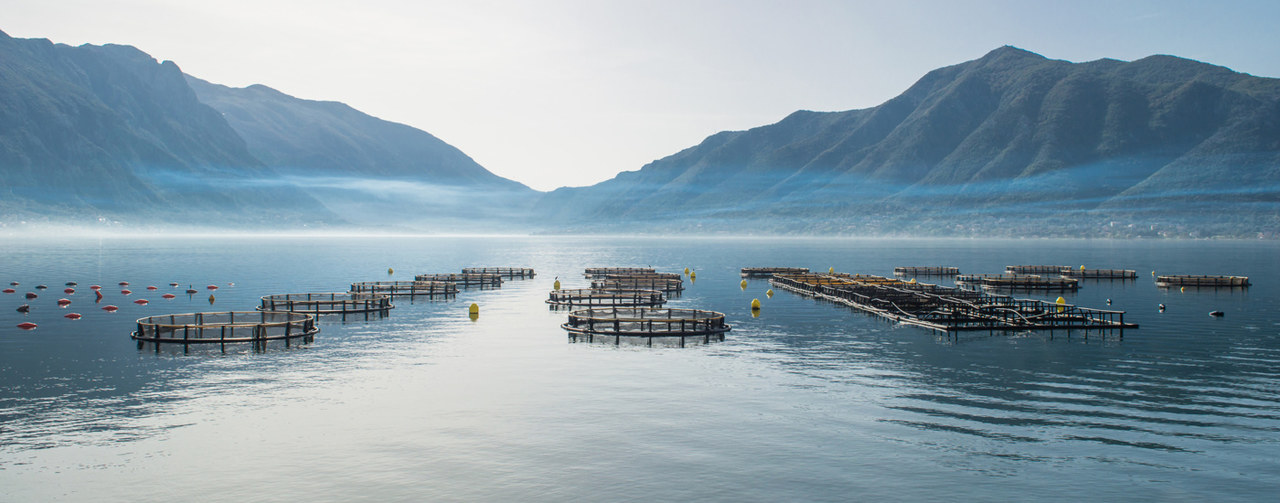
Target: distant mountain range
x=1009 y=144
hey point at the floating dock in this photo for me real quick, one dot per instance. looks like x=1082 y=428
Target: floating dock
x=948 y=309
x=344 y=303
x=606 y=298
x=592 y=272
x=647 y=323
x=407 y=288
x=482 y=280
x=1202 y=281
x=1018 y=282
x=768 y=272
x=225 y=327
x=926 y=271
x=504 y=272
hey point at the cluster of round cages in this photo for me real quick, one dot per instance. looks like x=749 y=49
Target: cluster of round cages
x=337 y=303
x=595 y=297
x=228 y=327
x=668 y=326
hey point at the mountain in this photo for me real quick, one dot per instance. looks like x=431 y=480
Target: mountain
x=359 y=165
x=1011 y=143
x=95 y=133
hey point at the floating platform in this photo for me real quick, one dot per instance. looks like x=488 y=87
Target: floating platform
x=948 y=309
x=226 y=327
x=1036 y=269
x=482 y=280
x=768 y=272
x=407 y=288
x=665 y=285
x=647 y=323
x=344 y=303
x=504 y=272
x=1019 y=282
x=1101 y=273
x=926 y=271
x=592 y=272
x=607 y=298
x=1202 y=281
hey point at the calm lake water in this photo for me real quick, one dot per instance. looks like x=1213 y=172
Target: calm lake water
x=810 y=401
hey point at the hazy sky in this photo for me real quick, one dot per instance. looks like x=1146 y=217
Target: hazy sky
x=555 y=93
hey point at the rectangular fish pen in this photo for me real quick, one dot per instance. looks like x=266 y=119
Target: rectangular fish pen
x=482 y=280
x=948 y=309
x=646 y=323
x=407 y=288
x=768 y=272
x=504 y=272
x=1018 y=282
x=926 y=271
x=1204 y=281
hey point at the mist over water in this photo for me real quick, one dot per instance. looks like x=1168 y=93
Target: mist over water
x=809 y=401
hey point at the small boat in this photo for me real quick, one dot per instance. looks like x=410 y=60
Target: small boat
x=174 y=284
x=64 y=302
x=42 y=287
x=69 y=291
x=125 y=292
x=24 y=308
x=71 y=283
x=110 y=309
x=10 y=290
x=168 y=296
x=152 y=288
x=124 y=283
x=71 y=316
x=31 y=295
x=99 y=294
x=95 y=288
x=211 y=287
x=26 y=325
x=13 y=283
x=141 y=302
x=1217 y=314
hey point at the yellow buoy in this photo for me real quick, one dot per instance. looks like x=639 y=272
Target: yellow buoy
x=1082 y=267
x=693 y=275
x=769 y=293
x=913 y=280
x=755 y=304
x=556 y=285
x=1061 y=303
x=831 y=270
x=390 y=271
x=210 y=299
x=755 y=313
x=1153 y=273
x=743 y=284
x=474 y=309
x=686 y=271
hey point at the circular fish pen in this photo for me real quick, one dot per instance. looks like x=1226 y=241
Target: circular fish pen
x=344 y=303
x=228 y=327
x=665 y=285
x=505 y=272
x=646 y=323
x=592 y=272
x=482 y=280
x=407 y=288
x=606 y=298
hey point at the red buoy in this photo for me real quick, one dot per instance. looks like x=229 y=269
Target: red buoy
x=212 y=287
x=69 y=291
x=141 y=302
x=71 y=316
x=152 y=288
x=10 y=290
x=110 y=309
x=168 y=296
x=125 y=292
x=64 y=302
x=26 y=325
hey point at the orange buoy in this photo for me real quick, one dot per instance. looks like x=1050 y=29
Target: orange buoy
x=110 y=309
x=168 y=296
x=141 y=302
x=71 y=316
x=26 y=325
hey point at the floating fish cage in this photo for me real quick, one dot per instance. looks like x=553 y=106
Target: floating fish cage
x=641 y=275
x=344 y=303
x=949 y=309
x=768 y=272
x=606 y=298
x=592 y=272
x=665 y=285
x=504 y=272
x=226 y=327
x=1036 y=269
x=482 y=280
x=1101 y=273
x=1203 y=281
x=926 y=271
x=1018 y=282
x=646 y=323
x=407 y=288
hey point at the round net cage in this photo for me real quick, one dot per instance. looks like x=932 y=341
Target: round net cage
x=327 y=303
x=606 y=298
x=592 y=272
x=225 y=327
x=406 y=288
x=464 y=279
x=505 y=272
x=668 y=285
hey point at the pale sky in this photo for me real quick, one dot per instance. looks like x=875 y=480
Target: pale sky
x=567 y=93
